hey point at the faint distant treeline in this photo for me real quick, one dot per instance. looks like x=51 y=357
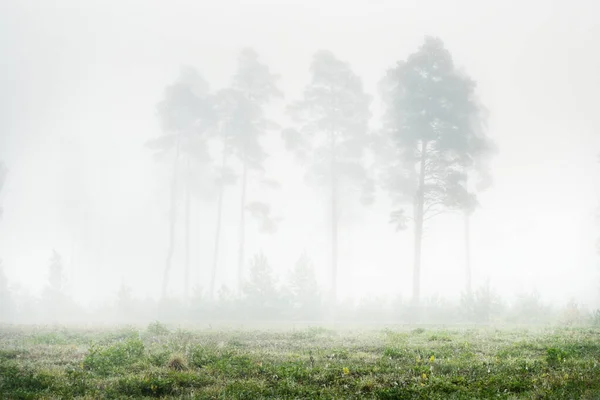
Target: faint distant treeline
x=265 y=301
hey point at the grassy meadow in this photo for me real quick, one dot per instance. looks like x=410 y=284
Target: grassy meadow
x=311 y=363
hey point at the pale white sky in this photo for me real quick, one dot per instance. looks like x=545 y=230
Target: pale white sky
x=91 y=72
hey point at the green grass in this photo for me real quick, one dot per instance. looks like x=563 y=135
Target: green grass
x=316 y=363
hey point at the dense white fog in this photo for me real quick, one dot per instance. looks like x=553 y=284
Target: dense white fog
x=80 y=84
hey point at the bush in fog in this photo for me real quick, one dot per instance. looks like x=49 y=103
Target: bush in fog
x=529 y=308
x=227 y=306
x=483 y=305
x=572 y=313
x=303 y=291
x=261 y=296
x=438 y=310
x=157 y=329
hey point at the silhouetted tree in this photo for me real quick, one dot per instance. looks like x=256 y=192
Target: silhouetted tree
x=253 y=87
x=333 y=116
x=186 y=115
x=431 y=122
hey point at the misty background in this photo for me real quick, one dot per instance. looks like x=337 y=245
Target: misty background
x=81 y=82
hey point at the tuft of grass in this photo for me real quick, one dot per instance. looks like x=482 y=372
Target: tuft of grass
x=177 y=363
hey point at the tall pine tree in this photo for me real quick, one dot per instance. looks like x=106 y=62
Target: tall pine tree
x=431 y=121
x=333 y=118
x=253 y=88
x=187 y=116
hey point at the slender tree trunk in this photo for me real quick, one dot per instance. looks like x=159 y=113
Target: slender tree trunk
x=172 y=220
x=334 y=222
x=188 y=196
x=213 y=275
x=467 y=220
x=468 y=287
x=419 y=211
x=242 y=229
x=418 y=232
x=334 y=208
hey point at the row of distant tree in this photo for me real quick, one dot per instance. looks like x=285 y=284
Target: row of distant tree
x=263 y=299
x=261 y=295
x=430 y=153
